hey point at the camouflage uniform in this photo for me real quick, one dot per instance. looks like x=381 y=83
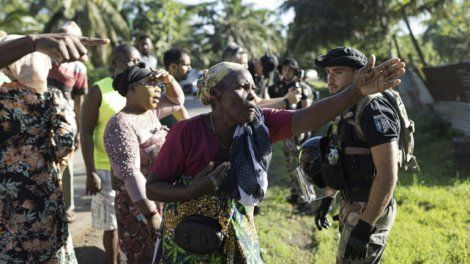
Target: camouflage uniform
x=349 y=215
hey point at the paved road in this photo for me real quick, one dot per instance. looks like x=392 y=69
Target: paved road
x=88 y=242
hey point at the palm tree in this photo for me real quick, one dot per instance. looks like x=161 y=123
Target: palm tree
x=98 y=18
x=166 y=22
x=224 y=21
x=367 y=24
x=15 y=18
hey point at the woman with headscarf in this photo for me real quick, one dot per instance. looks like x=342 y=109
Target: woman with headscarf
x=132 y=139
x=208 y=215
x=36 y=140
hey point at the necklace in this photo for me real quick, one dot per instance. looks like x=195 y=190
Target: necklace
x=213 y=130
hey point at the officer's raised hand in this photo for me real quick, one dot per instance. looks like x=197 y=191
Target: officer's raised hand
x=358 y=242
x=374 y=79
x=320 y=217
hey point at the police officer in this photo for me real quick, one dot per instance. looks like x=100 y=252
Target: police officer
x=290 y=73
x=361 y=162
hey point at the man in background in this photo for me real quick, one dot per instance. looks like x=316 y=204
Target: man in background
x=145 y=47
x=101 y=103
x=290 y=79
x=178 y=64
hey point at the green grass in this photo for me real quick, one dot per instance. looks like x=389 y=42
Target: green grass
x=433 y=221
x=285 y=237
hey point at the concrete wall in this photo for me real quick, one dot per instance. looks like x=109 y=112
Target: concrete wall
x=457 y=113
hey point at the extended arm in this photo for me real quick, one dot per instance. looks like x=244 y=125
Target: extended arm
x=60 y=47
x=369 y=80
x=320 y=112
x=13 y=50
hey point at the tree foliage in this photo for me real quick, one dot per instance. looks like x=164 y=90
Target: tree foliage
x=15 y=17
x=206 y=28
x=448 y=32
x=220 y=22
x=99 y=18
x=366 y=24
x=166 y=22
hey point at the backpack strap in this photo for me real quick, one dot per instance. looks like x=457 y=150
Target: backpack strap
x=356 y=122
x=394 y=98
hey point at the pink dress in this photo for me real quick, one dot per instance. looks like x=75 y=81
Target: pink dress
x=132 y=142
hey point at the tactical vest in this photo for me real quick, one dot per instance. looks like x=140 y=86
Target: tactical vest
x=354 y=171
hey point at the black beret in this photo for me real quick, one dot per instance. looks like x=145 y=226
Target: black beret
x=129 y=76
x=342 y=56
x=291 y=63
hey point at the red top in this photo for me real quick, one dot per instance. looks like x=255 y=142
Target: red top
x=71 y=78
x=191 y=145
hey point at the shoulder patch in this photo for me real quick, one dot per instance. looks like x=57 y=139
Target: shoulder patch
x=382 y=124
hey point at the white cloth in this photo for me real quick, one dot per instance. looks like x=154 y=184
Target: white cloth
x=103 y=214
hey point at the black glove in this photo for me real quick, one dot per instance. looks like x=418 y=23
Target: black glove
x=358 y=241
x=320 y=217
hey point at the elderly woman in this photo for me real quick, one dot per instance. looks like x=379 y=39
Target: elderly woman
x=133 y=138
x=208 y=215
x=36 y=140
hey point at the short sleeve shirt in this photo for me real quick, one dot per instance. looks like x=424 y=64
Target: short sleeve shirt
x=379 y=122
x=191 y=145
x=71 y=78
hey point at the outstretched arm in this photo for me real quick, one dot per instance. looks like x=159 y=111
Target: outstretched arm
x=60 y=47
x=369 y=80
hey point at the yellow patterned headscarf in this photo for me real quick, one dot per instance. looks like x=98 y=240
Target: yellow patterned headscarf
x=214 y=76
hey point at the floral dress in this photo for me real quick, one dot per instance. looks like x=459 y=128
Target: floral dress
x=36 y=141
x=240 y=244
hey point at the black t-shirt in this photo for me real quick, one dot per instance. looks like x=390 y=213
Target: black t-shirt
x=280 y=89
x=379 y=122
